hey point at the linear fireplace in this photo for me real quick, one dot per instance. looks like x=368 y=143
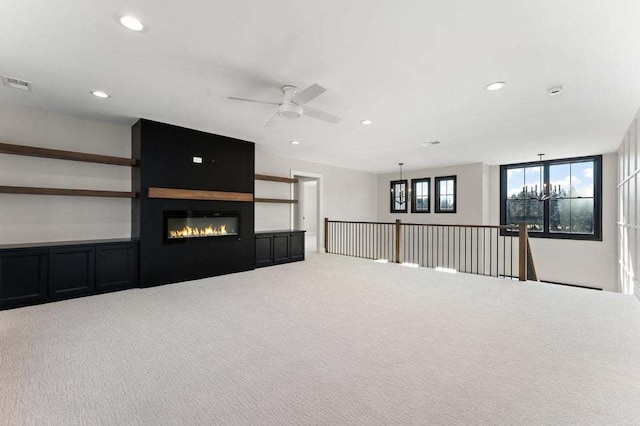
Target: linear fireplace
x=184 y=225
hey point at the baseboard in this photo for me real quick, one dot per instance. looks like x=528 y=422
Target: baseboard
x=571 y=285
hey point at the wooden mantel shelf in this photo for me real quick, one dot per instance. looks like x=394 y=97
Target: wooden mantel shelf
x=32 y=151
x=63 y=191
x=197 y=194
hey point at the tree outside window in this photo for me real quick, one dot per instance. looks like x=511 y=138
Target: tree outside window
x=574 y=210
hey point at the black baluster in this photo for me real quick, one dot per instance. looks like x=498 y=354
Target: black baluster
x=504 y=256
x=511 y=258
x=430 y=246
x=459 y=257
x=421 y=242
x=449 y=247
x=437 y=246
x=497 y=252
x=490 y=251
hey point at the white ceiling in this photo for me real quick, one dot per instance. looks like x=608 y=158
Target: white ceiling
x=417 y=68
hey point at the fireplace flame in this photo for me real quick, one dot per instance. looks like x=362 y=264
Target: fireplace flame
x=188 y=231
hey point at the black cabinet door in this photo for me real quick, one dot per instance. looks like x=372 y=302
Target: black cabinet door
x=71 y=272
x=116 y=267
x=264 y=250
x=297 y=246
x=280 y=248
x=23 y=277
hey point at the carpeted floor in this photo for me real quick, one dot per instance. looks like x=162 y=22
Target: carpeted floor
x=332 y=340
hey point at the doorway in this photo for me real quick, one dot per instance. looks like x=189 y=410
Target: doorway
x=307 y=213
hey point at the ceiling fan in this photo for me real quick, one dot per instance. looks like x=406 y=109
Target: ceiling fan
x=293 y=104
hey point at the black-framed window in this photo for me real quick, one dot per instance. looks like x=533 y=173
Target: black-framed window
x=446 y=189
x=421 y=195
x=574 y=210
x=399 y=196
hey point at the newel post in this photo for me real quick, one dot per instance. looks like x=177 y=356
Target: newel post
x=326 y=235
x=398 y=226
x=522 y=251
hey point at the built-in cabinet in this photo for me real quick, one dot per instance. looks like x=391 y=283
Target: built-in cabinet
x=275 y=247
x=71 y=271
x=116 y=266
x=23 y=277
x=34 y=274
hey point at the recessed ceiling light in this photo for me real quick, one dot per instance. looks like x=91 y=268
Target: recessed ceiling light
x=431 y=143
x=366 y=122
x=100 y=94
x=130 y=22
x=295 y=142
x=555 y=90
x=496 y=85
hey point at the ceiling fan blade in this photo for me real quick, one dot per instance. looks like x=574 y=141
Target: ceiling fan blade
x=252 y=100
x=320 y=115
x=308 y=94
x=271 y=121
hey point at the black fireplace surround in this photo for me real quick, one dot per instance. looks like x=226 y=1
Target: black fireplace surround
x=166 y=160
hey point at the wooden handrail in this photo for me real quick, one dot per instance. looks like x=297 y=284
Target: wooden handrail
x=503 y=227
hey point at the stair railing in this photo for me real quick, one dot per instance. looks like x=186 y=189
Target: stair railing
x=476 y=249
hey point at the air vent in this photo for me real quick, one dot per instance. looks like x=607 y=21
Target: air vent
x=16 y=83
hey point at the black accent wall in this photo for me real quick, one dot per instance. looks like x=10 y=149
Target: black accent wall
x=165 y=154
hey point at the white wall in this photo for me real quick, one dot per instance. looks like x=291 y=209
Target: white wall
x=470 y=199
x=587 y=263
x=347 y=194
x=628 y=210
x=40 y=218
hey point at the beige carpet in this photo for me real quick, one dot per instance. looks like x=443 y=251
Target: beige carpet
x=332 y=340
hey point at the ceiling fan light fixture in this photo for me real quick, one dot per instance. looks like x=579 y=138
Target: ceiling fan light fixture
x=290 y=111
